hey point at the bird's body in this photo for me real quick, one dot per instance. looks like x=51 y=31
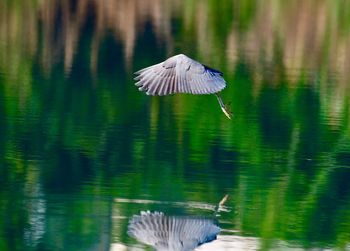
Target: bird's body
x=181 y=74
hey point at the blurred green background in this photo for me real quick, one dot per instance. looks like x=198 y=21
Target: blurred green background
x=75 y=133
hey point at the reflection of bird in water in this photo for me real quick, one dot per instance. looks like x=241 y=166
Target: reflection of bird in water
x=181 y=74
x=172 y=233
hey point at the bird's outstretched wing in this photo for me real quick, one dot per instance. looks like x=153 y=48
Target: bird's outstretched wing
x=172 y=233
x=179 y=74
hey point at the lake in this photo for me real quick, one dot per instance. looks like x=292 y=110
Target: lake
x=82 y=150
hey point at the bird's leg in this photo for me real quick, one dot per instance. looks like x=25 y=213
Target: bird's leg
x=219 y=206
x=225 y=109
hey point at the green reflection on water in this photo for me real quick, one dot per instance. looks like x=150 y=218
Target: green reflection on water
x=76 y=133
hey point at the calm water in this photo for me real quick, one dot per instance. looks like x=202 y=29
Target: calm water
x=82 y=150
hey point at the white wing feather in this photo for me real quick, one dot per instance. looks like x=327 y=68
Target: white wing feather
x=179 y=74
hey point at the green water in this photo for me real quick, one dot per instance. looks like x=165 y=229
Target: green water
x=82 y=150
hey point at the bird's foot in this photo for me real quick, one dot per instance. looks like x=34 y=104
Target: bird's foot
x=227 y=111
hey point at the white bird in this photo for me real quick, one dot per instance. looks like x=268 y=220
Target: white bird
x=172 y=233
x=181 y=74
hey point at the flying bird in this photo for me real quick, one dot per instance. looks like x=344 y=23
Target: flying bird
x=172 y=233
x=181 y=74
x=175 y=233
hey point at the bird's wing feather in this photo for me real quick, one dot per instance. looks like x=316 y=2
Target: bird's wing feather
x=148 y=229
x=172 y=232
x=179 y=74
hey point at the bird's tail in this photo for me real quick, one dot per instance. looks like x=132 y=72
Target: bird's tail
x=224 y=108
